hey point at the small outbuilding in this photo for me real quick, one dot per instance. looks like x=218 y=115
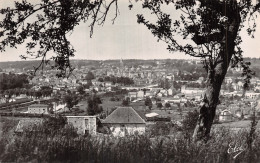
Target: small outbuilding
x=225 y=116
x=83 y=124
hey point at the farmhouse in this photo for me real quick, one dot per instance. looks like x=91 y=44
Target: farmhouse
x=38 y=109
x=124 y=121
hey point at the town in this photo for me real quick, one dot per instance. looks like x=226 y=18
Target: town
x=121 y=97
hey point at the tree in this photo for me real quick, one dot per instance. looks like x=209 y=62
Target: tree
x=53 y=21
x=189 y=122
x=165 y=84
x=211 y=31
x=126 y=101
x=148 y=102
x=100 y=79
x=93 y=105
x=71 y=100
x=88 y=85
x=161 y=128
x=80 y=89
x=90 y=76
x=159 y=105
x=167 y=105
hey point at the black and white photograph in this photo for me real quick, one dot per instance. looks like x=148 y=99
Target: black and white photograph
x=130 y=81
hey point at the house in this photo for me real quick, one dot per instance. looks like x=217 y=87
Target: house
x=159 y=94
x=83 y=124
x=251 y=94
x=108 y=84
x=132 y=95
x=239 y=113
x=200 y=80
x=38 y=109
x=228 y=80
x=123 y=121
x=148 y=93
x=140 y=94
x=225 y=116
x=187 y=90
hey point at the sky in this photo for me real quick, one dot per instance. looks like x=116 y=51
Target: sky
x=125 y=39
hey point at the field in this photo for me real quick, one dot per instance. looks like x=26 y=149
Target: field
x=109 y=105
x=8 y=125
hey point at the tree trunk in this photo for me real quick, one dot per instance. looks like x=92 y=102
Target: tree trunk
x=216 y=75
x=208 y=109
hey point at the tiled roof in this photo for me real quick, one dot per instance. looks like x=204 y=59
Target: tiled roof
x=38 y=105
x=124 y=115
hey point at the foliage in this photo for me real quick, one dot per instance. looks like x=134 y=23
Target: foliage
x=93 y=105
x=13 y=81
x=148 y=102
x=71 y=100
x=126 y=101
x=53 y=124
x=100 y=79
x=190 y=120
x=66 y=146
x=210 y=30
x=160 y=128
x=167 y=105
x=52 y=22
x=159 y=105
x=87 y=86
x=121 y=80
x=80 y=89
x=165 y=84
x=90 y=76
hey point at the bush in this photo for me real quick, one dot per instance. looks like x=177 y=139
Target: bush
x=160 y=128
x=66 y=146
x=190 y=121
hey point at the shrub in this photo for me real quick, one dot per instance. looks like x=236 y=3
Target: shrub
x=66 y=146
x=190 y=121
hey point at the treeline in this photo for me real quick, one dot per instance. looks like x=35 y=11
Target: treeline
x=25 y=65
x=13 y=81
x=44 y=91
x=194 y=75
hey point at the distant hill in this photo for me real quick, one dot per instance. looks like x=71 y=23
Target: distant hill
x=26 y=65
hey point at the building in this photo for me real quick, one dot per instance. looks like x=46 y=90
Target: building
x=83 y=124
x=225 y=116
x=124 y=121
x=38 y=109
x=132 y=95
x=252 y=95
x=186 y=90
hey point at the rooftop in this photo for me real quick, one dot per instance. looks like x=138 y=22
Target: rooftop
x=124 y=115
x=38 y=105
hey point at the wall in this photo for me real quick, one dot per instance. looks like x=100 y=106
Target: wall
x=124 y=129
x=38 y=110
x=83 y=124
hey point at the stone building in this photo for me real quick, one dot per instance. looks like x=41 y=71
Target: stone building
x=83 y=124
x=125 y=121
x=38 y=109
